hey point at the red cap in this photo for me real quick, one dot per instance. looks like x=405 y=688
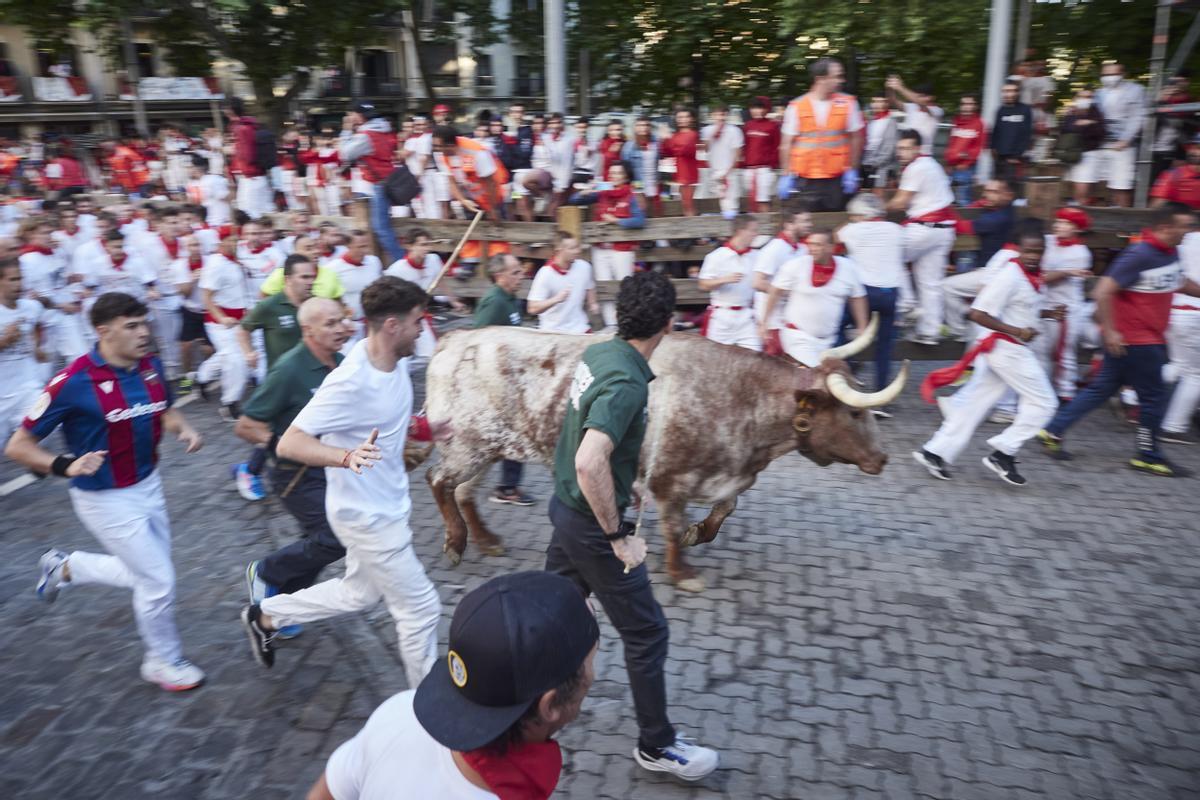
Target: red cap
x=441 y=108
x=1076 y=216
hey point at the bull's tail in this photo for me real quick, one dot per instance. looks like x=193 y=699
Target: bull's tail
x=416 y=454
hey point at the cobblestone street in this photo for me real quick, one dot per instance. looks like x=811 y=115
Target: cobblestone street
x=867 y=637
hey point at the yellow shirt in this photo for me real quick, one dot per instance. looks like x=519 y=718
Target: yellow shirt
x=327 y=284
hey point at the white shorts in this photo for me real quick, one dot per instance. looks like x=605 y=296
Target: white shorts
x=759 y=182
x=1117 y=168
x=1087 y=169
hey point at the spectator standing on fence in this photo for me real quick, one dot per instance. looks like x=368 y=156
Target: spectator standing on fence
x=822 y=139
x=760 y=154
x=1123 y=104
x=367 y=139
x=879 y=157
x=723 y=145
x=1012 y=134
x=610 y=147
x=562 y=287
x=253 y=185
x=1080 y=139
x=682 y=147
x=728 y=274
x=921 y=113
x=967 y=139
x=641 y=155
x=619 y=206
x=1181 y=184
x=126 y=166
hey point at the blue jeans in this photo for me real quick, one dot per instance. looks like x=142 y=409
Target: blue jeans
x=1141 y=368
x=962 y=179
x=882 y=302
x=381 y=224
x=510 y=474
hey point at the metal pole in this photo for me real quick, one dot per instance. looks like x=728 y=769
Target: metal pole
x=1023 y=21
x=1184 y=49
x=1158 y=55
x=554 y=22
x=585 y=82
x=999 y=25
x=135 y=78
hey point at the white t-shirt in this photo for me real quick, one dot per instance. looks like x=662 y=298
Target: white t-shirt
x=926 y=179
x=355 y=278
x=420 y=152
x=726 y=261
x=569 y=315
x=817 y=310
x=230 y=285
x=102 y=275
x=423 y=276
x=1010 y=297
x=260 y=264
x=791 y=124
x=925 y=122
x=771 y=256
x=354 y=399
x=877 y=249
x=722 y=150
x=392 y=757
x=182 y=273
x=16 y=359
x=152 y=251
x=1076 y=256
x=42 y=275
x=212 y=192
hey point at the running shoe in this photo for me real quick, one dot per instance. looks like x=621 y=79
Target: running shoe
x=262 y=641
x=936 y=466
x=185 y=386
x=179 y=676
x=1176 y=437
x=259 y=590
x=51 y=581
x=512 y=497
x=1053 y=445
x=1158 y=466
x=1005 y=466
x=249 y=485
x=229 y=412
x=683 y=758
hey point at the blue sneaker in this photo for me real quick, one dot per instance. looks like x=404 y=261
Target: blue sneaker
x=259 y=590
x=51 y=580
x=290 y=631
x=249 y=485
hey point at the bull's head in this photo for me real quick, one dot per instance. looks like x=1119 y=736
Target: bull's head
x=833 y=420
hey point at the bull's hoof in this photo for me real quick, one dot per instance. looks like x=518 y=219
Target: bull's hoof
x=491 y=547
x=455 y=556
x=691 y=537
x=695 y=584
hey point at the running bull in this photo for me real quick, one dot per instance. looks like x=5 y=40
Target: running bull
x=718 y=415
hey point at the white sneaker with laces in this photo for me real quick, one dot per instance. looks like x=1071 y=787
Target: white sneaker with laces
x=684 y=759
x=177 y=677
x=50 y=565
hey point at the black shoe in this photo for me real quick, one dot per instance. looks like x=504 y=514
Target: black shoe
x=205 y=390
x=1005 y=466
x=262 y=641
x=936 y=466
x=1177 y=437
x=512 y=497
x=229 y=412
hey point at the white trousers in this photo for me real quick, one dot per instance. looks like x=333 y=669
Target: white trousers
x=759 y=182
x=1183 y=340
x=728 y=191
x=132 y=525
x=19 y=389
x=227 y=361
x=804 y=347
x=928 y=249
x=727 y=326
x=167 y=322
x=1057 y=349
x=958 y=291
x=1008 y=366
x=611 y=265
x=426 y=342
x=380 y=565
x=254 y=195
x=329 y=199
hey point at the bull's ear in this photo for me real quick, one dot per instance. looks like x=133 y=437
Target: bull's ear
x=811 y=397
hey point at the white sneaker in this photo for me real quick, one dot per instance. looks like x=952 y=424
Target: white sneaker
x=1002 y=417
x=51 y=567
x=177 y=677
x=684 y=759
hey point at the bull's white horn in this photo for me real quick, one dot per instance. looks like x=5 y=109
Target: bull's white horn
x=840 y=388
x=856 y=346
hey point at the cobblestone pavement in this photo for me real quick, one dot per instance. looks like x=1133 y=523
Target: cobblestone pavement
x=860 y=637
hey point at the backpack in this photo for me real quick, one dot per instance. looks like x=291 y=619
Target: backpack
x=401 y=186
x=1068 y=148
x=264 y=150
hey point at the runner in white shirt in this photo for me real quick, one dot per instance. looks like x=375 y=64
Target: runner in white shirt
x=187 y=270
x=209 y=190
x=1066 y=265
x=723 y=143
x=728 y=274
x=1183 y=342
x=195 y=224
x=258 y=253
x=558 y=293
x=419 y=265
x=786 y=245
x=116 y=268
x=929 y=232
x=819 y=287
x=21 y=355
x=355 y=427
x=45 y=278
x=69 y=236
x=357 y=269
x=1010 y=308
x=228 y=290
x=417 y=151
x=158 y=250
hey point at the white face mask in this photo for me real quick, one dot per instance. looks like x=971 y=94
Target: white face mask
x=1083 y=103
x=1110 y=80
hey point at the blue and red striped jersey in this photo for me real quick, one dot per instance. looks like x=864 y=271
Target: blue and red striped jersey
x=103 y=407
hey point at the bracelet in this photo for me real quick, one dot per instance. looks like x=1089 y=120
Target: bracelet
x=625 y=529
x=346 y=459
x=61 y=464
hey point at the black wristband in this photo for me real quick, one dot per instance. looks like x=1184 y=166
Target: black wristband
x=60 y=465
x=626 y=528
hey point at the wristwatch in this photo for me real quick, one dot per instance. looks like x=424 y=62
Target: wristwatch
x=626 y=528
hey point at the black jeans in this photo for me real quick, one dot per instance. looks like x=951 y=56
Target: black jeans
x=821 y=194
x=296 y=566
x=510 y=474
x=578 y=551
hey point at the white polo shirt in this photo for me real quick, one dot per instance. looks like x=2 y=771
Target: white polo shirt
x=817 y=310
x=926 y=179
x=228 y=282
x=877 y=249
x=355 y=278
x=260 y=263
x=569 y=315
x=421 y=275
x=771 y=256
x=726 y=261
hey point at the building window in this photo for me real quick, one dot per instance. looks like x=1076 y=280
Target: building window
x=484 y=76
x=144 y=52
x=529 y=77
x=442 y=62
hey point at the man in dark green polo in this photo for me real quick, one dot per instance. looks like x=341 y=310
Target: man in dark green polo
x=290 y=384
x=275 y=316
x=500 y=306
x=595 y=464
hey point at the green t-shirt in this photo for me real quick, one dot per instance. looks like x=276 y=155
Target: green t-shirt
x=497 y=307
x=608 y=393
x=276 y=317
x=290 y=384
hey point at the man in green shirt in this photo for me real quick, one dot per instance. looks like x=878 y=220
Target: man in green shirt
x=595 y=464
x=500 y=306
x=275 y=316
x=290 y=384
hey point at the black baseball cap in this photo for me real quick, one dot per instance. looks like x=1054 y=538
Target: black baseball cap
x=511 y=640
x=366 y=109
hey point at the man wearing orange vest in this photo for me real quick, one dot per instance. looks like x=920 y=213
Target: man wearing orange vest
x=368 y=139
x=822 y=139
x=477 y=180
x=127 y=167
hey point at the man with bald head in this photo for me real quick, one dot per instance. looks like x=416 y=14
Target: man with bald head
x=290 y=384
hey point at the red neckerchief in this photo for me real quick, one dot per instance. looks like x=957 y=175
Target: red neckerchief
x=123 y=222
x=643 y=141
x=823 y=273
x=414 y=264
x=347 y=259
x=614 y=145
x=119 y=262
x=259 y=249
x=1065 y=241
x=791 y=242
x=526 y=771
x=35 y=248
x=554 y=136
x=71 y=233
x=741 y=252
x=328 y=253
x=195 y=264
x=556 y=267
x=881 y=115
x=1034 y=276
x=172 y=246
x=716 y=136
x=1149 y=238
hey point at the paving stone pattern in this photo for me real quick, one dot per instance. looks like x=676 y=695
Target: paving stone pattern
x=867 y=637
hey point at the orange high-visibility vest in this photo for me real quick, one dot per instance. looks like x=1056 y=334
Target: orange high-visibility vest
x=821 y=151
x=475 y=249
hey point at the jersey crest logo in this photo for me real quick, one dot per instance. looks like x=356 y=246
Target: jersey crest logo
x=106 y=386
x=580 y=383
x=39 y=406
